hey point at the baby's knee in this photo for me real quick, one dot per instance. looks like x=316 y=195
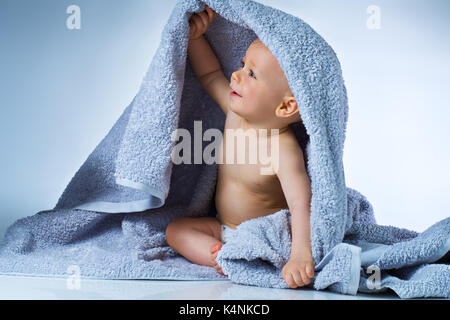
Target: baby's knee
x=174 y=227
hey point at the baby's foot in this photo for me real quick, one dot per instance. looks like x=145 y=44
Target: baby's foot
x=214 y=252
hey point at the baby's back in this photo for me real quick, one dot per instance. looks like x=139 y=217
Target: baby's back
x=246 y=191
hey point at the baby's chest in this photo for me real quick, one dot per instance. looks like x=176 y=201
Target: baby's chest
x=246 y=157
x=250 y=177
x=251 y=150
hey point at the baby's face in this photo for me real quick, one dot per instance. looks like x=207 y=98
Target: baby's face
x=261 y=84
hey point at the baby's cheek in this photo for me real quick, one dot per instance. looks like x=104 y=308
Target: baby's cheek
x=256 y=99
x=253 y=105
x=264 y=102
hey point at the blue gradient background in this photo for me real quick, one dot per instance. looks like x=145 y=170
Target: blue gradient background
x=62 y=90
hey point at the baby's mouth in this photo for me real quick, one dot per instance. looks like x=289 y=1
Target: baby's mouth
x=235 y=94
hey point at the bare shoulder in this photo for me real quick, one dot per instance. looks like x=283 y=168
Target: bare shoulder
x=289 y=143
x=290 y=152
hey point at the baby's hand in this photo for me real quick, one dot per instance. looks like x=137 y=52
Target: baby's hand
x=200 y=22
x=298 y=271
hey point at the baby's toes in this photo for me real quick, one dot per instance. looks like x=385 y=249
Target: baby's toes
x=215 y=250
x=219 y=269
x=215 y=247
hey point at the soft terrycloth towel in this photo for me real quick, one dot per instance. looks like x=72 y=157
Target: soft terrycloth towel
x=111 y=218
x=403 y=259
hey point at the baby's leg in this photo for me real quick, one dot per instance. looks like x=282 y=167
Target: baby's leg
x=197 y=239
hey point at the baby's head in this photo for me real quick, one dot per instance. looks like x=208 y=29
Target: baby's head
x=265 y=97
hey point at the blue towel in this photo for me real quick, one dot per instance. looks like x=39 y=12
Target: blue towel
x=111 y=218
x=405 y=260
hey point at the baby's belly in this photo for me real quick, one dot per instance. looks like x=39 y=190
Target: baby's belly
x=236 y=204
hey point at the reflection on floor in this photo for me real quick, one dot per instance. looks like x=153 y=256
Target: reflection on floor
x=20 y=287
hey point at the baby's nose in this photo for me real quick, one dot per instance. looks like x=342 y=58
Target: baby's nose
x=235 y=77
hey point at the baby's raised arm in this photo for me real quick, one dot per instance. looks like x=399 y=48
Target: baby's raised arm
x=204 y=62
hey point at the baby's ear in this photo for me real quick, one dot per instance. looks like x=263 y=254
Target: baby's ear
x=287 y=108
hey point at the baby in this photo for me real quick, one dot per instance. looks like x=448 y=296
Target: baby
x=257 y=97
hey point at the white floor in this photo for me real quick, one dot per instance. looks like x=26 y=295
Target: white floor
x=19 y=287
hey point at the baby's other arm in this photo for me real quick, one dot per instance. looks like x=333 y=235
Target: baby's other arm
x=204 y=62
x=296 y=187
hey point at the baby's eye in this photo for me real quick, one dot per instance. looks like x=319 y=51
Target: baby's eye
x=252 y=74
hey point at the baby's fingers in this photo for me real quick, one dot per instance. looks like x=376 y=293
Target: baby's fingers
x=195 y=21
x=290 y=280
x=192 y=27
x=211 y=13
x=300 y=282
x=310 y=270
x=203 y=18
x=304 y=277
